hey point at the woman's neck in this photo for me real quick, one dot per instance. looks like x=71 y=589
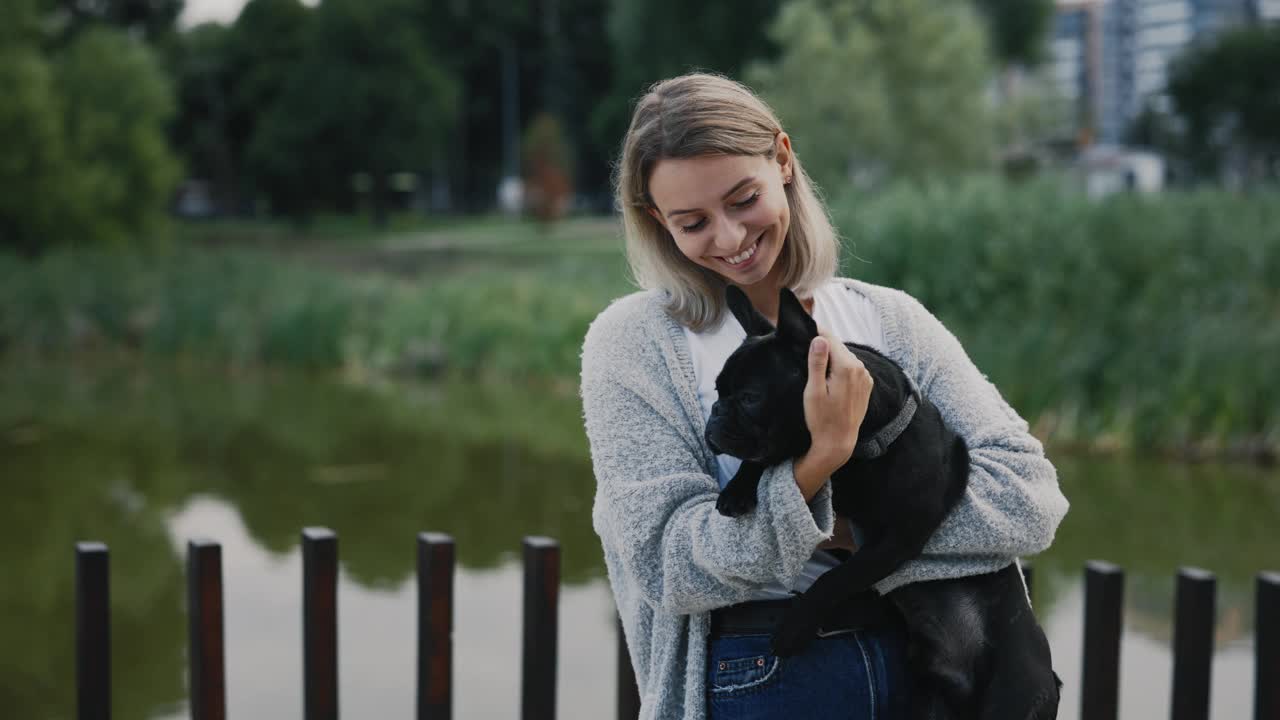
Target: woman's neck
x=764 y=295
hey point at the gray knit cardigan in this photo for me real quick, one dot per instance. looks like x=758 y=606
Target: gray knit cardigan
x=671 y=558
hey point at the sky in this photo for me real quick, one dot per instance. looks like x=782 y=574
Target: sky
x=198 y=11
x=224 y=11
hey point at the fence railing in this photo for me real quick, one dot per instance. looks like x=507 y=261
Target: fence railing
x=1099 y=688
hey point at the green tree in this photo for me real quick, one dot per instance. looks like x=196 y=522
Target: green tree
x=152 y=19
x=201 y=66
x=657 y=39
x=34 y=162
x=118 y=102
x=518 y=59
x=367 y=97
x=83 y=155
x=1227 y=95
x=21 y=24
x=881 y=88
x=1017 y=29
x=227 y=77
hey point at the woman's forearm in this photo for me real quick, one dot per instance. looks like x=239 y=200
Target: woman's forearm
x=813 y=469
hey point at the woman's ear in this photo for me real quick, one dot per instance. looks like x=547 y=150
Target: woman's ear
x=783 y=155
x=653 y=211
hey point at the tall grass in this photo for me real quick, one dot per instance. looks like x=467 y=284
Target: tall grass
x=242 y=308
x=1150 y=322
x=1131 y=321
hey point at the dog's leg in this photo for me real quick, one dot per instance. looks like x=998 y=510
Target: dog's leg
x=929 y=704
x=1022 y=685
x=739 y=496
x=868 y=566
x=1034 y=700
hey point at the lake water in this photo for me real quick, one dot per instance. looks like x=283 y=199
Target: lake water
x=146 y=460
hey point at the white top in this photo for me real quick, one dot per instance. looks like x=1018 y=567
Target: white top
x=839 y=310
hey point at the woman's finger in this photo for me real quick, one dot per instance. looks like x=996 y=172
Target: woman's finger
x=817 y=383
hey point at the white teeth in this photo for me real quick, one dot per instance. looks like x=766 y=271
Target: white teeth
x=744 y=255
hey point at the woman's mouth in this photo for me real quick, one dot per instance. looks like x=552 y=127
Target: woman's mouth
x=745 y=257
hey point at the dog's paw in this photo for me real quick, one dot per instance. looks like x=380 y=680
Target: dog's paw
x=792 y=637
x=734 y=504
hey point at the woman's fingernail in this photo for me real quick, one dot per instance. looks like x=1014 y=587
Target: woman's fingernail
x=818 y=345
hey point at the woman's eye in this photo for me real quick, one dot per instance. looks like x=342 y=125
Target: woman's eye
x=742 y=204
x=746 y=203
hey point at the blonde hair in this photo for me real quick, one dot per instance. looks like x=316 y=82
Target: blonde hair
x=705 y=114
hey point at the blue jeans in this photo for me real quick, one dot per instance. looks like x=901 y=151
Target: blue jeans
x=856 y=675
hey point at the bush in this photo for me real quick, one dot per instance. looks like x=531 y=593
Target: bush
x=83 y=153
x=241 y=308
x=1135 y=321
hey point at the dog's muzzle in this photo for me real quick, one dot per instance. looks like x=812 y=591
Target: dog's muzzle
x=711 y=443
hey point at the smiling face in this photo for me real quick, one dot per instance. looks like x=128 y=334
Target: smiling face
x=727 y=213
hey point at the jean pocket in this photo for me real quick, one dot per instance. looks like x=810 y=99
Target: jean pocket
x=739 y=664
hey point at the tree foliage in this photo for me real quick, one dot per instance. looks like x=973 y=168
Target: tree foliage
x=367 y=96
x=656 y=39
x=519 y=59
x=227 y=78
x=1017 y=29
x=1227 y=95
x=151 y=19
x=83 y=153
x=880 y=88
x=118 y=102
x=21 y=22
x=34 y=163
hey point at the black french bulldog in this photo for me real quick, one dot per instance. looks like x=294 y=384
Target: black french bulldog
x=974 y=648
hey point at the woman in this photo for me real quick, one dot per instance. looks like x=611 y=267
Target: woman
x=712 y=193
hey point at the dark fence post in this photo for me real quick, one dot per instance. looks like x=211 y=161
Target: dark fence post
x=1103 y=619
x=320 y=623
x=205 y=631
x=541 y=603
x=435 y=626
x=1192 y=643
x=93 y=632
x=1266 y=700
x=628 y=692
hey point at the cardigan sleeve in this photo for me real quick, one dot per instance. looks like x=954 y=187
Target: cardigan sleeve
x=654 y=507
x=1013 y=504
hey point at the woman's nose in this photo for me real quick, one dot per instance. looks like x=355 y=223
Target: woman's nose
x=730 y=234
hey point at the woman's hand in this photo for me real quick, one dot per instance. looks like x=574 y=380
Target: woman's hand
x=835 y=402
x=834 y=405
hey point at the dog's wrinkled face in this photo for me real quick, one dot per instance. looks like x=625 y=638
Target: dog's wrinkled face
x=759 y=415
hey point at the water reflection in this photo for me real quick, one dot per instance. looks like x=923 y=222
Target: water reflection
x=146 y=460
x=377 y=633
x=1152 y=518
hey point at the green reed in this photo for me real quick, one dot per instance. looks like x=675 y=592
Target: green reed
x=1131 y=321
x=241 y=308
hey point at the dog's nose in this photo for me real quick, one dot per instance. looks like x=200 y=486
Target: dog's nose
x=711 y=443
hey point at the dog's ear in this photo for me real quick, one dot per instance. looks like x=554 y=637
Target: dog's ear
x=750 y=318
x=793 y=322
